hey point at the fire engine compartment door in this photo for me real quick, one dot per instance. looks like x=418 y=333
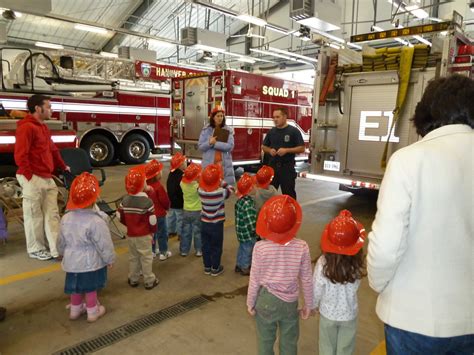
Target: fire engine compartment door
x=195 y=107
x=370 y=118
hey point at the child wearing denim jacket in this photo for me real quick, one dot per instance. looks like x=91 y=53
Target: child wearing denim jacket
x=87 y=249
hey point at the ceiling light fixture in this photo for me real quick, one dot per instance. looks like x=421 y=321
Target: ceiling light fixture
x=413 y=6
x=82 y=27
x=108 y=54
x=247 y=60
x=158 y=43
x=252 y=19
x=292 y=54
x=318 y=24
x=48 y=45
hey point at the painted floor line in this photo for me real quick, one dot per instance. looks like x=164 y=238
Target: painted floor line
x=44 y=270
x=322 y=199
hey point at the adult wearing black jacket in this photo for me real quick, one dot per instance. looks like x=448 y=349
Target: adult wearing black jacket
x=282 y=143
x=175 y=194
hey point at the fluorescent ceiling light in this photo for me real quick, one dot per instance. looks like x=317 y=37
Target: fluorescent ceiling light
x=159 y=43
x=335 y=46
x=377 y=28
x=208 y=48
x=292 y=54
x=277 y=29
x=80 y=26
x=109 y=55
x=252 y=19
x=422 y=40
x=49 y=45
x=318 y=24
x=330 y=36
x=413 y=7
x=420 y=13
x=273 y=54
x=246 y=60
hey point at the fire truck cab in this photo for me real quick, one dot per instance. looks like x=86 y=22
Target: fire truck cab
x=248 y=100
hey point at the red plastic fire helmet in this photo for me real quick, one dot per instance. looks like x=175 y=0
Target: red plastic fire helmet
x=343 y=235
x=211 y=177
x=191 y=173
x=84 y=191
x=217 y=109
x=244 y=185
x=176 y=161
x=152 y=169
x=265 y=176
x=135 y=180
x=279 y=219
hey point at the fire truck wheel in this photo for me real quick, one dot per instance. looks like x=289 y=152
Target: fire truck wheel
x=134 y=149
x=99 y=149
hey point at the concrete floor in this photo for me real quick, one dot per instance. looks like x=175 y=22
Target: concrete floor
x=37 y=321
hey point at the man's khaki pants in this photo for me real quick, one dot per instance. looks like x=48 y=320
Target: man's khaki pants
x=140 y=259
x=40 y=212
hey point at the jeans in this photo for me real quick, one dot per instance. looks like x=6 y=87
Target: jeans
x=337 y=337
x=402 y=342
x=174 y=220
x=244 y=254
x=191 y=229
x=212 y=235
x=271 y=314
x=161 y=236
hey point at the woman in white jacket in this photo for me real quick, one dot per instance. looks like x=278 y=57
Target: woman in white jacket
x=421 y=248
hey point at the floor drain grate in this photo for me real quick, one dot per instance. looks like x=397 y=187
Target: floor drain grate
x=132 y=328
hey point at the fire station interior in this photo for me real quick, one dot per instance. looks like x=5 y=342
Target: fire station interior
x=136 y=80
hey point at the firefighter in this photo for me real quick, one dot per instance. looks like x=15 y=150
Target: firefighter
x=281 y=144
x=37 y=158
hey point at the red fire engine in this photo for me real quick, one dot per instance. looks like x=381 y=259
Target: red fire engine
x=248 y=100
x=119 y=108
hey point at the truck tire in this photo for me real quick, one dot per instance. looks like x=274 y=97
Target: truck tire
x=100 y=150
x=134 y=149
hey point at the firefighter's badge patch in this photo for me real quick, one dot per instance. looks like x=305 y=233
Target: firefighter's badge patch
x=146 y=69
x=286 y=138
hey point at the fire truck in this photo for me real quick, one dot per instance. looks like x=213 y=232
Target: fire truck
x=120 y=108
x=355 y=130
x=248 y=99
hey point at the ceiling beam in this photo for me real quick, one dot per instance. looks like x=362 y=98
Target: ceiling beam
x=132 y=20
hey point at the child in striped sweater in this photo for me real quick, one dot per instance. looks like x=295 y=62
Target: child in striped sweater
x=213 y=191
x=279 y=263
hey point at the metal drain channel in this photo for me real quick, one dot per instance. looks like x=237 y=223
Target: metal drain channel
x=115 y=335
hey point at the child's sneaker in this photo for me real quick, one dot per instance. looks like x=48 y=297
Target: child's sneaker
x=95 y=313
x=183 y=254
x=218 y=271
x=153 y=285
x=207 y=270
x=245 y=271
x=154 y=254
x=41 y=255
x=198 y=253
x=76 y=311
x=165 y=256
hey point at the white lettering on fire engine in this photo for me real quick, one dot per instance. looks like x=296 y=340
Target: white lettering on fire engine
x=171 y=73
x=364 y=125
x=274 y=91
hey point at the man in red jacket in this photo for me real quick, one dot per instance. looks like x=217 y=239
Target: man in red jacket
x=37 y=158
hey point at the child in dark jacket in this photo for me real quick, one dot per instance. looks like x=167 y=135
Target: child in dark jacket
x=136 y=211
x=161 y=203
x=174 y=219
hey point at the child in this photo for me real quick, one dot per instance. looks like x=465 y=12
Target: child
x=279 y=263
x=161 y=203
x=213 y=191
x=245 y=223
x=174 y=219
x=87 y=249
x=264 y=190
x=191 y=211
x=337 y=276
x=137 y=213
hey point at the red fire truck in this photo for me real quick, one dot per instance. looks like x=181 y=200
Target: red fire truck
x=119 y=108
x=248 y=99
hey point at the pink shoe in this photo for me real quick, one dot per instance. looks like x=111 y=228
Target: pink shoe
x=76 y=311
x=95 y=313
